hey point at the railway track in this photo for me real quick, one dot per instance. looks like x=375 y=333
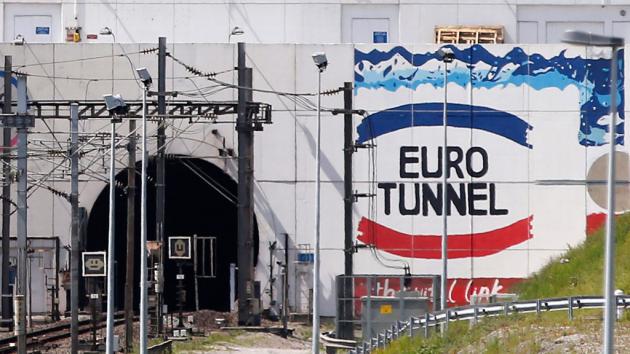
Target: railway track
x=38 y=338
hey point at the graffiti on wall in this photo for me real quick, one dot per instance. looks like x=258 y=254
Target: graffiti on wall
x=489 y=216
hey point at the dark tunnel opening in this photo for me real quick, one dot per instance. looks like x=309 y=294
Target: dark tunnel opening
x=200 y=200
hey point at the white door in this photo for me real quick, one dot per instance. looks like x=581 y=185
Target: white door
x=621 y=29
x=527 y=32
x=33 y=28
x=370 y=30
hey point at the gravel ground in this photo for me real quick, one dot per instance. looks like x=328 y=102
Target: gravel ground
x=259 y=343
x=205 y=322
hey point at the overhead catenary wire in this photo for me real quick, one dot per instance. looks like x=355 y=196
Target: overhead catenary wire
x=76 y=60
x=212 y=77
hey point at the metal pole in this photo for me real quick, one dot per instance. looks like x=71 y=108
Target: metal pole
x=6 y=195
x=443 y=290
x=232 y=285
x=160 y=163
x=245 y=214
x=194 y=240
x=143 y=230
x=345 y=328
x=131 y=234
x=272 y=248
x=609 y=285
x=315 y=338
x=285 y=288
x=21 y=219
x=55 y=314
x=74 y=238
x=109 y=344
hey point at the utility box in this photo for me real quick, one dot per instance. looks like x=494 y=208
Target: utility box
x=381 y=312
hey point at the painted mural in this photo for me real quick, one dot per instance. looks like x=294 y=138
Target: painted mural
x=527 y=131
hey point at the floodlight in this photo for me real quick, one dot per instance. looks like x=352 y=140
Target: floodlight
x=237 y=31
x=587 y=38
x=19 y=40
x=446 y=54
x=320 y=60
x=144 y=75
x=115 y=104
x=106 y=31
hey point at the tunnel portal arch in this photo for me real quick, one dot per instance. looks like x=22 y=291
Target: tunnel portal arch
x=200 y=199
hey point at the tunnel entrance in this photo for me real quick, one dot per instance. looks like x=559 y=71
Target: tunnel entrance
x=200 y=200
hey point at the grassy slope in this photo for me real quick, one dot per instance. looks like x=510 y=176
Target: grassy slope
x=581 y=275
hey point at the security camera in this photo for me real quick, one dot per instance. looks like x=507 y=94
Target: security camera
x=144 y=75
x=446 y=54
x=320 y=60
x=115 y=104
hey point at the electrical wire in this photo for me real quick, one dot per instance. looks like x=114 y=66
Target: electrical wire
x=144 y=51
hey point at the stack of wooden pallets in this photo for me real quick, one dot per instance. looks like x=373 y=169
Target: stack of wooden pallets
x=469 y=34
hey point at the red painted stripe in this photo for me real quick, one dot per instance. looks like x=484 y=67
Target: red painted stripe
x=14 y=141
x=429 y=246
x=594 y=222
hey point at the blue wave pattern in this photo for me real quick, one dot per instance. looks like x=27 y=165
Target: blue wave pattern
x=398 y=67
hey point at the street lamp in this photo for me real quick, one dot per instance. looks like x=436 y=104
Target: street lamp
x=116 y=106
x=236 y=31
x=146 y=80
x=589 y=39
x=106 y=31
x=446 y=55
x=321 y=62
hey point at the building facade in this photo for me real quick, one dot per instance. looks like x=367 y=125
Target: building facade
x=527 y=145
x=308 y=21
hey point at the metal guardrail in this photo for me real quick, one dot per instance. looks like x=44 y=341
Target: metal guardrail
x=417 y=325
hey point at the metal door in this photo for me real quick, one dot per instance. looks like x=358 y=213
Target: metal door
x=33 y=28
x=370 y=30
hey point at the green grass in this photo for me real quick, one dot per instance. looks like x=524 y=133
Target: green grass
x=583 y=274
x=199 y=343
x=205 y=343
x=525 y=333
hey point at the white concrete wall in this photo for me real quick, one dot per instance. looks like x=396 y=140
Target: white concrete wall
x=284 y=161
x=313 y=21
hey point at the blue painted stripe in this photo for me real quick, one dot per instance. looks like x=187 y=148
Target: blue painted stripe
x=487 y=119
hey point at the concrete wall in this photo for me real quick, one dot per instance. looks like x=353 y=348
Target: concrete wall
x=531 y=113
x=310 y=21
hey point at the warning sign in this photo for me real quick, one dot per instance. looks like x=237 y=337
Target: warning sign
x=179 y=247
x=386 y=309
x=94 y=264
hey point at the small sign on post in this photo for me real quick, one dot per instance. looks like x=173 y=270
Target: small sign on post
x=179 y=247
x=94 y=264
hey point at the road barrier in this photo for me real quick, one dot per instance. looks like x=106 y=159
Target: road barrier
x=417 y=325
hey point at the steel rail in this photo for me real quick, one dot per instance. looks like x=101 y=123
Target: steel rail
x=52 y=333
